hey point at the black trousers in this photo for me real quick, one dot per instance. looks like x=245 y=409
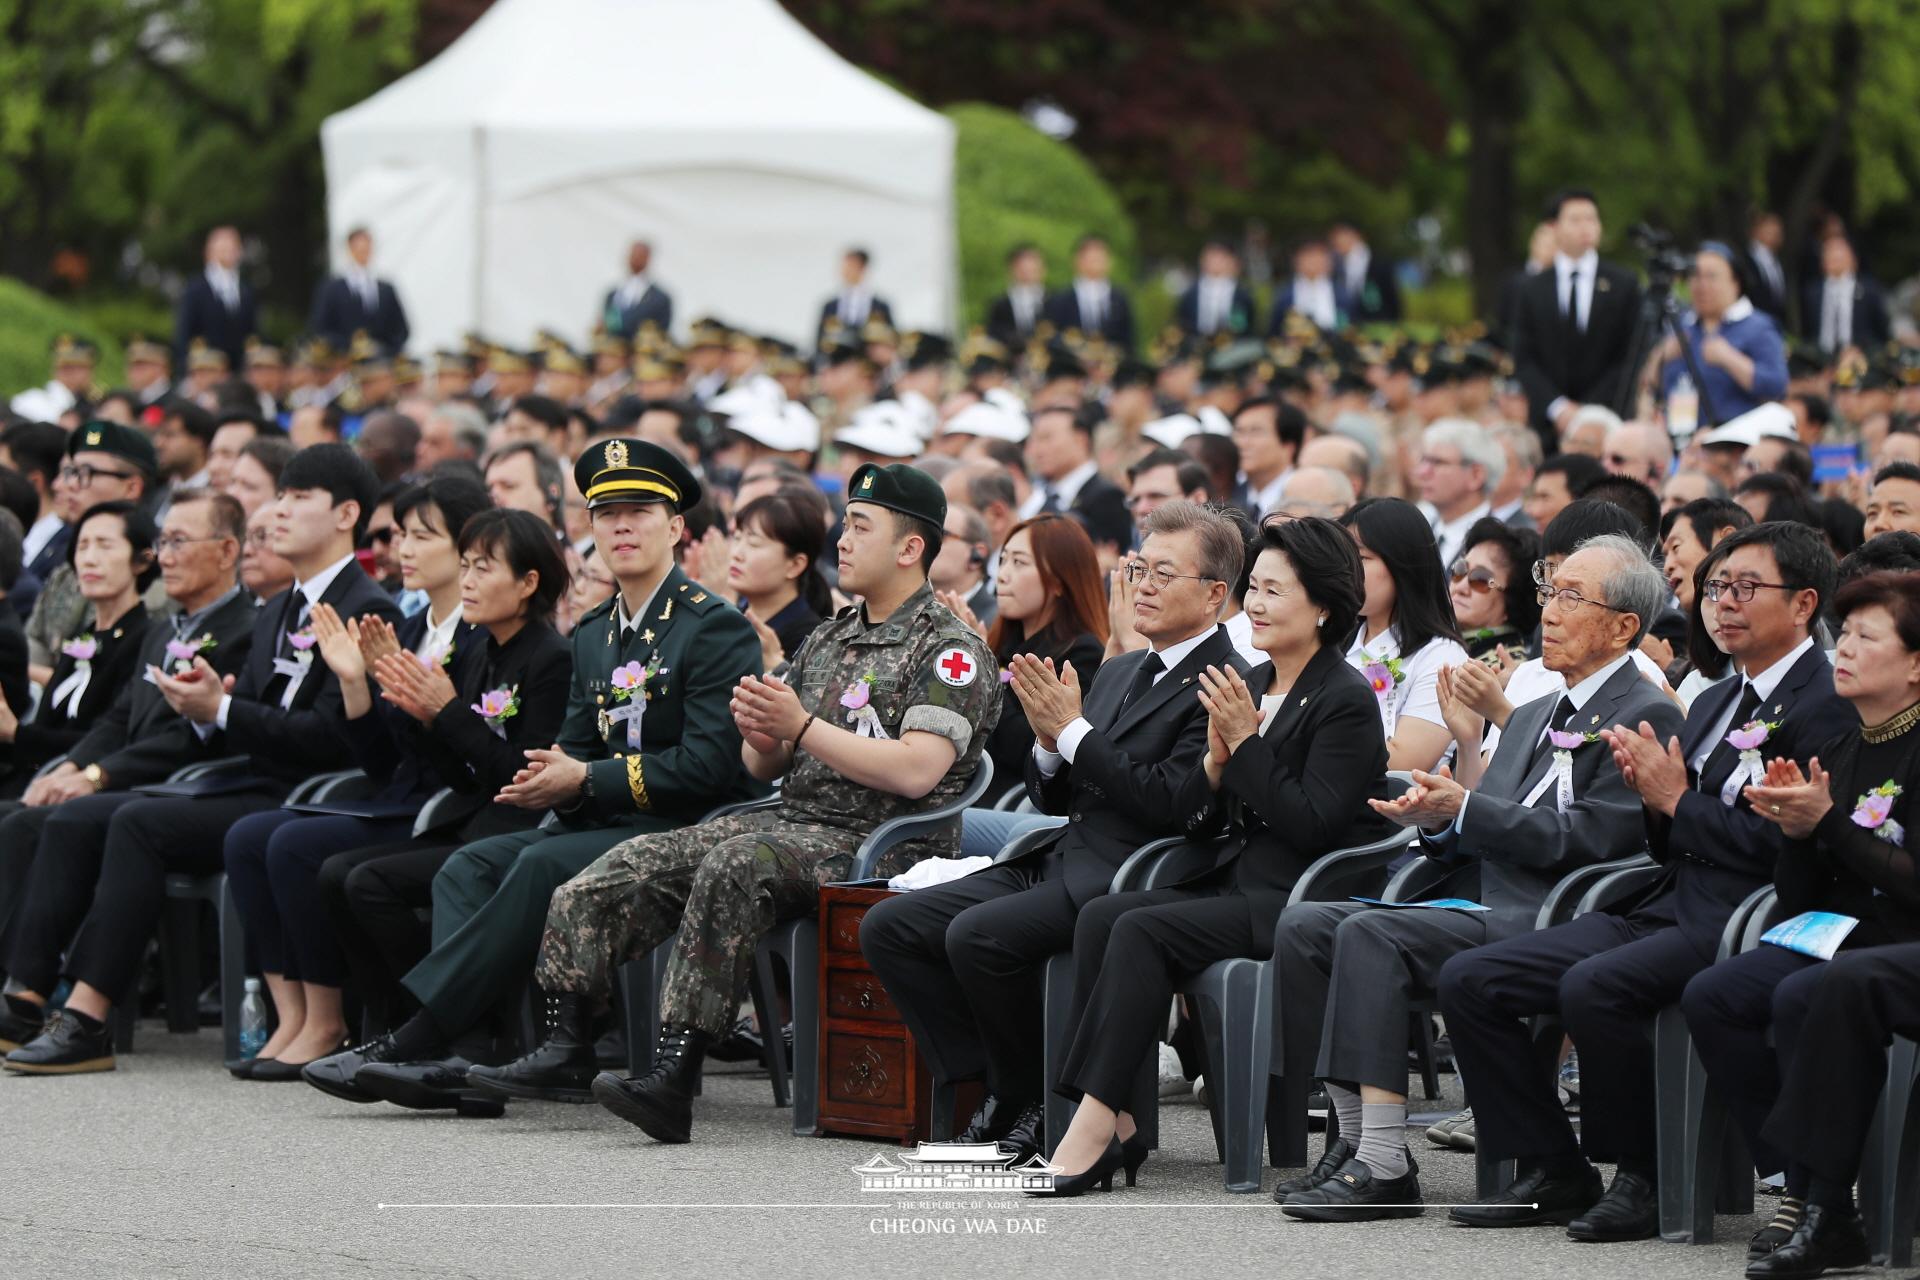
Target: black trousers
x=372 y=898
x=963 y=963
x=1349 y=975
x=149 y=838
x=19 y=843
x=59 y=887
x=1606 y=976
x=1830 y=1086
x=1129 y=952
x=1730 y=1009
x=273 y=861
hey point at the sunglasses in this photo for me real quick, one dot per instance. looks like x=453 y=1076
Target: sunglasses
x=1479 y=577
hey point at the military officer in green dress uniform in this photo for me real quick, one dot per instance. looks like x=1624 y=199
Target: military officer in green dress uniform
x=883 y=713
x=648 y=745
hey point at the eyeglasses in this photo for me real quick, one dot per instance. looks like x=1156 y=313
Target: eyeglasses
x=1479 y=577
x=174 y=542
x=1137 y=572
x=1570 y=599
x=379 y=536
x=1742 y=591
x=83 y=474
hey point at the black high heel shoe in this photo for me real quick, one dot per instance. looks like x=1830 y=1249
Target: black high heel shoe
x=1099 y=1174
x=1133 y=1154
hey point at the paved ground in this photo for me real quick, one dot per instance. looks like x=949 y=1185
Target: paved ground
x=168 y=1167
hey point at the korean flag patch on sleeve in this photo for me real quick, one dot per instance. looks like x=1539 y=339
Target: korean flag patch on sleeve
x=955 y=666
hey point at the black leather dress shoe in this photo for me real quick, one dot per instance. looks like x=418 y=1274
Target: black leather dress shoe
x=1026 y=1139
x=1778 y=1231
x=1338 y=1152
x=1355 y=1194
x=742 y=1044
x=64 y=1047
x=428 y=1086
x=274 y=1071
x=1629 y=1211
x=334 y=1073
x=993 y=1120
x=1825 y=1240
x=1532 y=1199
x=20 y=1021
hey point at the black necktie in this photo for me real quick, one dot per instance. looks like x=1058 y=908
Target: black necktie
x=1573 y=301
x=1742 y=712
x=1050 y=501
x=1563 y=711
x=1143 y=679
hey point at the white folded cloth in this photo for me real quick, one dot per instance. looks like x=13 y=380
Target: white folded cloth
x=932 y=871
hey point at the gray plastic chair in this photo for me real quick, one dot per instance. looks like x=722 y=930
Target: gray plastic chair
x=1890 y=1166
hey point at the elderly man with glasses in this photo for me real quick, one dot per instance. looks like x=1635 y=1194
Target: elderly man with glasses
x=1552 y=800
x=1607 y=973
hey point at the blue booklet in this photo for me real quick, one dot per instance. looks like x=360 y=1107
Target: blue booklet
x=1812 y=933
x=1444 y=904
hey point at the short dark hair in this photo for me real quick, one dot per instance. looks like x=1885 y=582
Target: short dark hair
x=1892 y=471
x=1635 y=498
x=1189 y=474
x=1086 y=238
x=1796 y=462
x=12 y=550
x=340 y=471
x=36 y=447
x=1394 y=530
x=1551 y=211
x=140 y=533
x=197 y=422
x=1289 y=422
x=1805 y=561
x=227 y=519
x=1819 y=412
x=272 y=452
x=548 y=412
x=17 y=495
x=546 y=469
x=1020 y=250
x=1844 y=524
x=527 y=544
x=1323 y=556
x=1586 y=518
x=1786 y=498
x=1897 y=593
x=1520 y=548
x=906 y=526
x=1706 y=517
x=455 y=499
x=796 y=526
x=1074 y=416
x=1580 y=470
x=866 y=259
x=1894 y=549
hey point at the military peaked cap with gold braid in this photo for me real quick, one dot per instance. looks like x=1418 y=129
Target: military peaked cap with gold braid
x=634 y=471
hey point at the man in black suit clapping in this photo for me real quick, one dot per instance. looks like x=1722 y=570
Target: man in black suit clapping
x=354 y=302
x=963 y=961
x=1573 y=325
x=217 y=306
x=1608 y=972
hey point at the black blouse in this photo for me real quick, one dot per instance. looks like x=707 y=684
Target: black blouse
x=116 y=660
x=1857 y=870
x=1011 y=741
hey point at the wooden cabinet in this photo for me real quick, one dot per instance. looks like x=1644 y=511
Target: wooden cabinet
x=873 y=1081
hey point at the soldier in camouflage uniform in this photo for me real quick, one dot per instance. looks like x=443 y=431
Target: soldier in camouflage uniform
x=880 y=716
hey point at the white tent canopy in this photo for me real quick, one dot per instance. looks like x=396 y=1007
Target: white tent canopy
x=504 y=179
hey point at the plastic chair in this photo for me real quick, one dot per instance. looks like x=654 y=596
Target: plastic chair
x=1011 y=797
x=1703 y=1161
x=1890 y=1165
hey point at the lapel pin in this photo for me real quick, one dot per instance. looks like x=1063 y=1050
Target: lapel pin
x=1595 y=720
x=1303 y=699
x=1776 y=708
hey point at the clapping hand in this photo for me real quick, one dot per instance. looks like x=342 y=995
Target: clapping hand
x=376 y=638
x=1121 y=635
x=772 y=652
x=194 y=695
x=1658 y=773
x=339 y=643
x=767 y=706
x=958 y=603
x=1465 y=724
x=1794 y=803
x=422 y=691
x=1434 y=800
x=550 y=778
x=1480 y=691
x=1052 y=702
x=1230 y=706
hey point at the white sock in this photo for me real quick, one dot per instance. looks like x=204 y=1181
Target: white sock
x=1346 y=1111
x=1383 y=1139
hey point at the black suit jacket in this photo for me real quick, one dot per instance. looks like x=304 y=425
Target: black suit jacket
x=380 y=742
x=1011 y=742
x=339 y=312
x=1872 y=323
x=656 y=304
x=1511 y=853
x=1760 y=291
x=1116 y=326
x=1297 y=789
x=1121 y=789
x=114 y=665
x=13 y=659
x=458 y=749
x=1587 y=368
x=1240 y=313
x=289 y=745
x=201 y=314
x=1716 y=854
x=1003 y=322
x=877 y=309
x=139 y=739
x=1379 y=298
x=51 y=556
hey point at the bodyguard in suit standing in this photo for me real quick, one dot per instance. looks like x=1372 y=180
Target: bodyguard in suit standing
x=1844 y=309
x=848 y=311
x=1573 y=325
x=637 y=300
x=1547 y=804
x=217 y=307
x=355 y=302
x=1093 y=303
x=1608 y=972
x=1217 y=302
x=1373 y=295
x=962 y=961
x=283 y=712
x=1012 y=316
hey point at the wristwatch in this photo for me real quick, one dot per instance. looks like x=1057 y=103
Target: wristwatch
x=586 y=784
x=97 y=776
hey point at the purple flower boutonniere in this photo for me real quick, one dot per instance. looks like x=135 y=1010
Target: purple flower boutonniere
x=183 y=652
x=497 y=706
x=1874 y=811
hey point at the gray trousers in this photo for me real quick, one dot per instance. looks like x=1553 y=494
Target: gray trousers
x=1348 y=975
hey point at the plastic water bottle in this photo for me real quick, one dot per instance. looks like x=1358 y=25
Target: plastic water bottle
x=253 y=1020
x=1683 y=408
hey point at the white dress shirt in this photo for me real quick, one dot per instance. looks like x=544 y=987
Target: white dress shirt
x=1065 y=490
x=37 y=537
x=1769 y=266
x=361 y=281
x=1579 y=695
x=1836 y=313
x=1315 y=300
x=634 y=289
x=1265 y=498
x=1070 y=737
x=1452 y=534
x=854 y=304
x=1763 y=684
x=439 y=635
x=226 y=284
x=1588 y=265
x=1093 y=298
x=1026 y=300
x=310 y=592
x=1356 y=264
x=1214 y=303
